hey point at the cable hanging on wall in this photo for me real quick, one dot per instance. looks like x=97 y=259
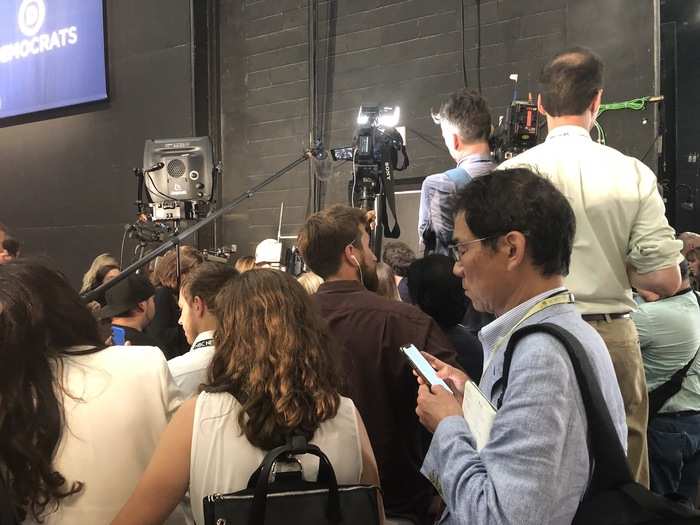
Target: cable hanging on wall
x=478 y=44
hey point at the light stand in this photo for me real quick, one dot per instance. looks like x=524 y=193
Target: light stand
x=174 y=242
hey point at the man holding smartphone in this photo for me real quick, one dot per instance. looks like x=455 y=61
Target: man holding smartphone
x=534 y=467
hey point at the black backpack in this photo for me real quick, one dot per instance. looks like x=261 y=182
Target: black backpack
x=613 y=497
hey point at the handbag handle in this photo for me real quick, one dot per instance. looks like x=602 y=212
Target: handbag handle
x=326 y=476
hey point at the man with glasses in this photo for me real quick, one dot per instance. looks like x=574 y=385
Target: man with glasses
x=534 y=467
x=623 y=238
x=369 y=330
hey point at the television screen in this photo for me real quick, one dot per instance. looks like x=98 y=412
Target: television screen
x=52 y=54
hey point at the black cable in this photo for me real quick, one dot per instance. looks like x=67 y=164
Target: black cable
x=478 y=44
x=121 y=252
x=429 y=141
x=650 y=147
x=155 y=188
x=464 y=53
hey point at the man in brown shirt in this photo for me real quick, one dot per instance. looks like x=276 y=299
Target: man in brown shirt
x=370 y=331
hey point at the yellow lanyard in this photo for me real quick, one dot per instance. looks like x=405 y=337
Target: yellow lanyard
x=562 y=297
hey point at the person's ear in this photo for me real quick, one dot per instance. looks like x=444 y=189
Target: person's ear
x=595 y=104
x=199 y=306
x=514 y=246
x=456 y=141
x=350 y=255
x=540 y=107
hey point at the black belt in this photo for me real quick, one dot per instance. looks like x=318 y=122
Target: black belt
x=679 y=414
x=604 y=317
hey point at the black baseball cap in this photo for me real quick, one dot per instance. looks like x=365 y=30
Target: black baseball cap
x=125 y=295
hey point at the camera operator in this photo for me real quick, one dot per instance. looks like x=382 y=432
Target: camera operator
x=622 y=238
x=465 y=122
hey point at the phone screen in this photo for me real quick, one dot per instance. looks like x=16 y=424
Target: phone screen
x=118 y=336
x=422 y=367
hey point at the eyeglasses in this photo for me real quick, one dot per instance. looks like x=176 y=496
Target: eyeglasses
x=459 y=248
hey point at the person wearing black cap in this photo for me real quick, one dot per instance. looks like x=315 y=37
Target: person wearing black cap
x=131 y=307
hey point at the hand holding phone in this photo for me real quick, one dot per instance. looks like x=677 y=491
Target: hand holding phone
x=118 y=336
x=422 y=367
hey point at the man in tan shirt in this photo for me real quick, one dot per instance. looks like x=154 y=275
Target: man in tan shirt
x=622 y=236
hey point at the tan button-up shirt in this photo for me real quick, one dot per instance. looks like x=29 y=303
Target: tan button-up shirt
x=620 y=217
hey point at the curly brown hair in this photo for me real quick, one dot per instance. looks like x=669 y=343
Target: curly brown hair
x=273 y=354
x=165 y=273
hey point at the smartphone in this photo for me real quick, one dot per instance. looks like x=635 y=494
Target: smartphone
x=118 y=336
x=422 y=367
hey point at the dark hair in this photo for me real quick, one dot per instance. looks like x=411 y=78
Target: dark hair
x=468 y=111
x=243 y=264
x=11 y=245
x=399 y=256
x=275 y=356
x=570 y=82
x=519 y=200
x=685 y=269
x=40 y=317
x=205 y=281
x=325 y=235
x=436 y=290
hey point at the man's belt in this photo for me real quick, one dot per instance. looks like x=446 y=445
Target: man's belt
x=604 y=317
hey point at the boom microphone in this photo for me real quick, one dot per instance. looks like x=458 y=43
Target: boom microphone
x=157 y=166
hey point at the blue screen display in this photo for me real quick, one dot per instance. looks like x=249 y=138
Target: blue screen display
x=51 y=54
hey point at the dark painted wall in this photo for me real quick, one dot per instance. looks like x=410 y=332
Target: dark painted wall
x=681 y=83
x=66 y=187
x=404 y=52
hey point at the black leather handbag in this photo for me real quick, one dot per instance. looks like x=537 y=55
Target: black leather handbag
x=613 y=497
x=291 y=500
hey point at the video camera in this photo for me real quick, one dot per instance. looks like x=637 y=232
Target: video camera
x=377 y=151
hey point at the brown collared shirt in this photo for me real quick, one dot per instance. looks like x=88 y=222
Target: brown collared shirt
x=377 y=377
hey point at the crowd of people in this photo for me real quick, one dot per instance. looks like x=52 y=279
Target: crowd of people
x=174 y=383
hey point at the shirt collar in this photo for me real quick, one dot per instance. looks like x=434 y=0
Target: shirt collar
x=568 y=131
x=474 y=157
x=490 y=334
x=341 y=286
x=203 y=336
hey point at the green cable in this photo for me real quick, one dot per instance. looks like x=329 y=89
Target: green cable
x=636 y=104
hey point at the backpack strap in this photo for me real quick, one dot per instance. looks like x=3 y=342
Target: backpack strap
x=607 y=454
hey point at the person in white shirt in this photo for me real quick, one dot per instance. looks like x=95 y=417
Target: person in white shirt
x=78 y=421
x=622 y=236
x=197 y=304
x=273 y=375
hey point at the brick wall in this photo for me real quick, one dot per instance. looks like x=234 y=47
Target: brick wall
x=403 y=52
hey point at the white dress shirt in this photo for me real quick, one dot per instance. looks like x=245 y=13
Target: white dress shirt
x=619 y=216
x=190 y=370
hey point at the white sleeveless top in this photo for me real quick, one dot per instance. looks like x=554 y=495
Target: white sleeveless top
x=222 y=459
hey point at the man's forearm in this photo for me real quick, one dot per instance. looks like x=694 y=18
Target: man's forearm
x=664 y=282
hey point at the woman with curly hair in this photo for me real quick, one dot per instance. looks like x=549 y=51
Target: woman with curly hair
x=78 y=421
x=272 y=375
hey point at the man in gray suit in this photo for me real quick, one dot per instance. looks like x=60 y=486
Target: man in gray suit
x=513 y=238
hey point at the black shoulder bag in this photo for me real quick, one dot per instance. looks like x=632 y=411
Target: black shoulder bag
x=291 y=500
x=613 y=497
x=662 y=393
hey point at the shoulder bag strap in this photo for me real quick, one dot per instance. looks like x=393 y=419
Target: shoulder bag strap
x=611 y=467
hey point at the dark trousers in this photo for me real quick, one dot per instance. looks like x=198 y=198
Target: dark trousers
x=674 y=454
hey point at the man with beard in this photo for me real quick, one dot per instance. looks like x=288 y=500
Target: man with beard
x=370 y=331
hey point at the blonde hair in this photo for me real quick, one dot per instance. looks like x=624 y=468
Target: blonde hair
x=104 y=259
x=310 y=281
